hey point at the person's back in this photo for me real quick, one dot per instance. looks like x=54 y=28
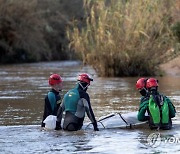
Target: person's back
x=159 y=107
x=74 y=109
x=161 y=110
x=71 y=100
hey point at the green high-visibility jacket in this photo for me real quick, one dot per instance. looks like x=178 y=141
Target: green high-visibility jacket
x=144 y=106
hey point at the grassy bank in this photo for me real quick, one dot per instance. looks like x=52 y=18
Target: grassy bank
x=127 y=38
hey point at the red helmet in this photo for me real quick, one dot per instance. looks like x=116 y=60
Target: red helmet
x=55 y=79
x=84 y=78
x=141 y=83
x=152 y=82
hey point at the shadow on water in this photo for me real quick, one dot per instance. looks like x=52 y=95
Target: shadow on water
x=22 y=91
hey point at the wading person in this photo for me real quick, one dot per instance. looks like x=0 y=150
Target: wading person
x=52 y=99
x=76 y=103
x=159 y=107
x=141 y=87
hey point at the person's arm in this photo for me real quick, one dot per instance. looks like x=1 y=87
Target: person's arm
x=90 y=112
x=172 y=110
x=59 y=116
x=47 y=110
x=52 y=102
x=142 y=110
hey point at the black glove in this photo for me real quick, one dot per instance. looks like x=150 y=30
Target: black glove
x=95 y=126
x=96 y=129
x=58 y=125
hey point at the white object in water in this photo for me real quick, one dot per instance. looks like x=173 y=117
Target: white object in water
x=50 y=122
x=117 y=120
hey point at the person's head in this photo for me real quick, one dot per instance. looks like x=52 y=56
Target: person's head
x=84 y=80
x=141 y=86
x=55 y=81
x=152 y=84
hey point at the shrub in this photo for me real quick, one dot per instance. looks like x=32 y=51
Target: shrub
x=125 y=38
x=176 y=30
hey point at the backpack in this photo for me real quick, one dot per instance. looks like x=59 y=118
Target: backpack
x=159 y=110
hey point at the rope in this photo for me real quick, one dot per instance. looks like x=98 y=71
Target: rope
x=106 y=117
x=127 y=125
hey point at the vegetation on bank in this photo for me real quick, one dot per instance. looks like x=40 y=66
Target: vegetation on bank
x=116 y=37
x=35 y=30
x=127 y=38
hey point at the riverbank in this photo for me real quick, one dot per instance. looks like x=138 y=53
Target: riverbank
x=171 y=68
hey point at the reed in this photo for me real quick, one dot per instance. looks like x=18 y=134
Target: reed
x=125 y=38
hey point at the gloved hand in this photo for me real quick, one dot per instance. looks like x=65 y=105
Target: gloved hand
x=58 y=125
x=96 y=129
x=95 y=126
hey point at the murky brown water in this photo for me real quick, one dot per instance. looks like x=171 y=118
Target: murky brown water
x=22 y=91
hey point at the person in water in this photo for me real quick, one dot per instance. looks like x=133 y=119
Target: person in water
x=159 y=107
x=141 y=87
x=76 y=103
x=52 y=99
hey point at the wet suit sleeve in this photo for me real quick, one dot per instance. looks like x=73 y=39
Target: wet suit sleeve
x=59 y=115
x=142 y=110
x=172 y=110
x=89 y=112
x=47 y=110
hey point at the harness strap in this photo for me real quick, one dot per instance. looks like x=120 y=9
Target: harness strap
x=101 y=124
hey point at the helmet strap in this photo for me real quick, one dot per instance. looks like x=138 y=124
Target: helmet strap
x=143 y=92
x=83 y=86
x=56 y=88
x=153 y=90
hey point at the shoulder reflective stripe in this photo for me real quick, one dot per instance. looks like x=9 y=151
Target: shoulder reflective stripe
x=52 y=100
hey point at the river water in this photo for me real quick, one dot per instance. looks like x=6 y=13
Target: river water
x=22 y=91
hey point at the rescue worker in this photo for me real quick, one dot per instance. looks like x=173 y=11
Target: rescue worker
x=159 y=108
x=141 y=86
x=52 y=99
x=76 y=103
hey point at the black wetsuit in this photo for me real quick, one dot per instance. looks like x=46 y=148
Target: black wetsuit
x=52 y=103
